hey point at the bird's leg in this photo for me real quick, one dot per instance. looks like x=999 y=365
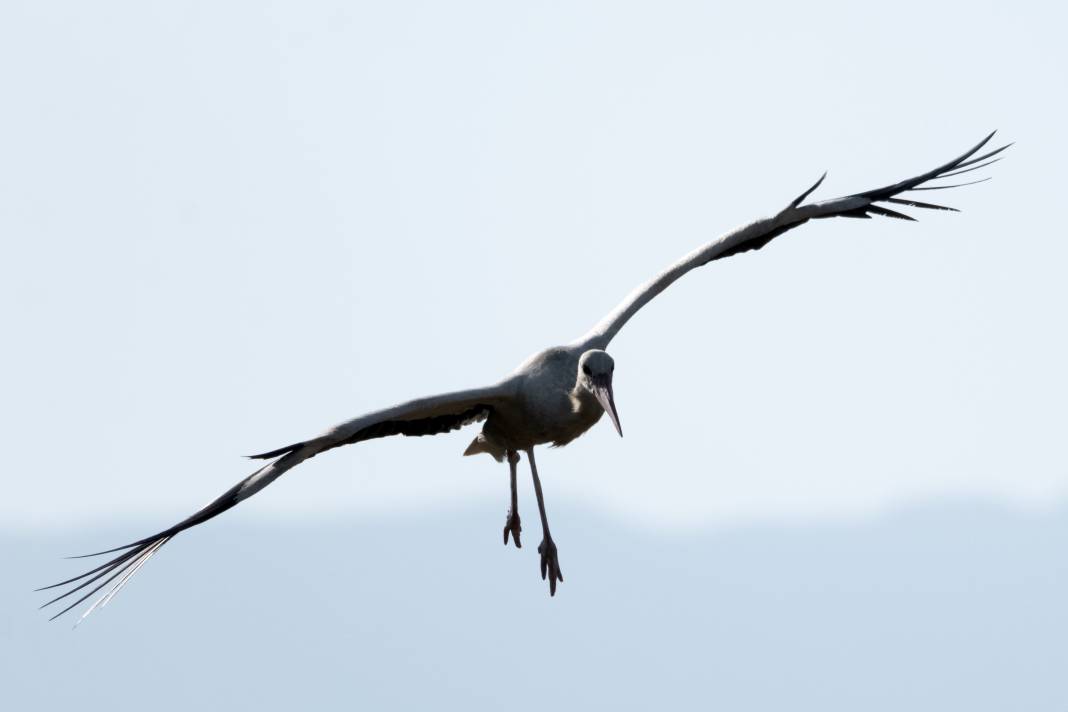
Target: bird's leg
x=550 y=564
x=511 y=525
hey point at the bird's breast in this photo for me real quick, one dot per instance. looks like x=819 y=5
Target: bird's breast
x=554 y=417
x=584 y=413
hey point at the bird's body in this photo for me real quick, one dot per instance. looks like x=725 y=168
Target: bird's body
x=552 y=398
x=545 y=406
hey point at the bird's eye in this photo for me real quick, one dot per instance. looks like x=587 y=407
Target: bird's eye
x=586 y=368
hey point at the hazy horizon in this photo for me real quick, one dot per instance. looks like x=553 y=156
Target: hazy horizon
x=951 y=605
x=229 y=226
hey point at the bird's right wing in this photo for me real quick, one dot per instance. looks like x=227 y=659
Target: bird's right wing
x=425 y=416
x=759 y=233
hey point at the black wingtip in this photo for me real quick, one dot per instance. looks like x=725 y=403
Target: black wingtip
x=888 y=213
x=276 y=453
x=797 y=201
x=918 y=204
x=943 y=187
x=985 y=141
x=976 y=148
x=124 y=566
x=106 y=551
x=976 y=167
x=106 y=564
x=115 y=570
x=979 y=159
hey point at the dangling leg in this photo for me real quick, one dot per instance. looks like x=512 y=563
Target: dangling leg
x=512 y=524
x=549 y=563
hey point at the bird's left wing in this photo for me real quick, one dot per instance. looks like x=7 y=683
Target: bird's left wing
x=757 y=234
x=424 y=416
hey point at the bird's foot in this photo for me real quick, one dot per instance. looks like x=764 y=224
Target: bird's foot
x=550 y=564
x=511 y=526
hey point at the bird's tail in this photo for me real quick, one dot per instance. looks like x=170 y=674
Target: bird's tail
x=482 y=444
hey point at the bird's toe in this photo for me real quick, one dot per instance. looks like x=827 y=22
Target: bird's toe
x=550 y=564
x=512 y=527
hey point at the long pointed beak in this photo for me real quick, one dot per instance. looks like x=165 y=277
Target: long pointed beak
x=603 y=393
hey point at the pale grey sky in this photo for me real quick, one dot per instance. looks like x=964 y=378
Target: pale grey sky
x=229 y=226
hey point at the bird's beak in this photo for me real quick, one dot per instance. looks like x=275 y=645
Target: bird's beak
x=603 y=392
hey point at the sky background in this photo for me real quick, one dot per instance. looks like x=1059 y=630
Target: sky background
x=227 y=226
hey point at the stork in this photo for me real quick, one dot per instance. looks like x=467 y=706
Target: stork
x=553 y=397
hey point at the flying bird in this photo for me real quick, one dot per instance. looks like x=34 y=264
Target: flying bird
x=553 y=397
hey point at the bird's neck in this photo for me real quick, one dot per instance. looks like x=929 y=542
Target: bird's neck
x=582 y=401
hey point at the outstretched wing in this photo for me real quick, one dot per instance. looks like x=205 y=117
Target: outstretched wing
x=757 y=234
x=425 y=416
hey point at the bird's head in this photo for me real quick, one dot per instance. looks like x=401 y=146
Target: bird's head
x=595 y=369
